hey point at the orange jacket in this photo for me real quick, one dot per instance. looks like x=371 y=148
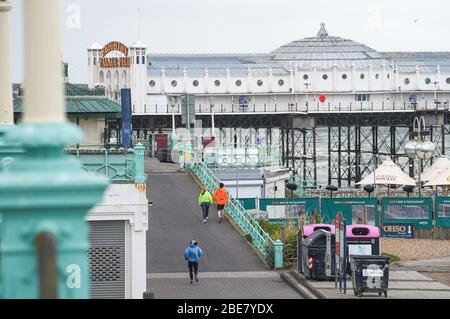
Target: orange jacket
x=221 y=196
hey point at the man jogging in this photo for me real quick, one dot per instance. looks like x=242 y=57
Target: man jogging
x=192 y=254
x=205 y=200
x=221 y=199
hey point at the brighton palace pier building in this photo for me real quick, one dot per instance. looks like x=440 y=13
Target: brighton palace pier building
x=312 y=77
x=291 y=77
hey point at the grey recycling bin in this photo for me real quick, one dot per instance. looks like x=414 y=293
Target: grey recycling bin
x=314 y=256
x=304 y=232
x=370 y=274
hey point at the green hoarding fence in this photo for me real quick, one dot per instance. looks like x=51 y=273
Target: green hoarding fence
x=302 y=205
x=355 y=210
x=413 y=210
x=248 y=203
x=442 y=212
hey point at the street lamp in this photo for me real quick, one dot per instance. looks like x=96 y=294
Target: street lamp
x=307 y=86
x=211 y=105
x=173 y=136
x=173 y=103
x=419 y=148
x=436 y=103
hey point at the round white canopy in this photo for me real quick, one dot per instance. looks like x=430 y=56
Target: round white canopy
x=442 y=179
x=388 y=173
x=434 y=170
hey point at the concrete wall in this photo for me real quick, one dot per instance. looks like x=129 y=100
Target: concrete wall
x=93 y=129
x=125 y=202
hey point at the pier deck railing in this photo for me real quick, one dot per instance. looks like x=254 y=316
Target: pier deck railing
x=229 y=155
x=367 y=106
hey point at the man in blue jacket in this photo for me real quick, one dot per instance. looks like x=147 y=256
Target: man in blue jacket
x=192 y=254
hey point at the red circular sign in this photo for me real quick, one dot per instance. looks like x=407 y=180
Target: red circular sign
x=322 y=98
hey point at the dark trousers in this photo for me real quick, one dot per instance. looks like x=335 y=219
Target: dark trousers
x=205 y=209
x=193 y=268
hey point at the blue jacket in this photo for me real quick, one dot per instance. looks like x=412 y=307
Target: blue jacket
x=193 y=253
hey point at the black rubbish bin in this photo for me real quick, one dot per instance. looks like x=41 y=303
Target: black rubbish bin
x=314 y=255
x=303 y=233
x=162 y=155
x=370 y=274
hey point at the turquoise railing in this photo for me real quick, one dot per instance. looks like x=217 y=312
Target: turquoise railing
x=118 y=165
x=229 y=155
x=249 y=226
x=304 y=187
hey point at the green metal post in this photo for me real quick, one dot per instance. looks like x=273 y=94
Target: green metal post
x=153 y=145
x=173 y=141
x=278 y=254
x=140 y=176
x=45 y=190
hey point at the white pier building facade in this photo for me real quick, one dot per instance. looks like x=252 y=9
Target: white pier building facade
x=333 y=105
x=348 y=75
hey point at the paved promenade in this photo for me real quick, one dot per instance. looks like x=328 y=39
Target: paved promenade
x=230 y=267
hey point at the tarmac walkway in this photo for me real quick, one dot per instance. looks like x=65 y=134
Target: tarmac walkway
x=230 y=267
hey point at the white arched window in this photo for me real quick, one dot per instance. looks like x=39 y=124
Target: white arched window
x=102 y=77
x=108 y=78
x=116 y=78
x=124 y=79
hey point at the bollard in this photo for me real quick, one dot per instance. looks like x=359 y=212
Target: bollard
x=278 y=254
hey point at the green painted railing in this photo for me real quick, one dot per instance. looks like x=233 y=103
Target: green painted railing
x=304 y=187
x=230 y=155
x=118 y=165
x=250 y=227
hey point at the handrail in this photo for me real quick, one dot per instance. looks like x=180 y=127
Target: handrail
x=116 y=165
x=260 y=239
x=228 y=155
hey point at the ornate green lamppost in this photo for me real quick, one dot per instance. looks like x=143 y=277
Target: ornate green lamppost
x=45 y=194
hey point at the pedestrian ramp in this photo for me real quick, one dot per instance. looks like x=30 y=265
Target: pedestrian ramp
x=176 y=217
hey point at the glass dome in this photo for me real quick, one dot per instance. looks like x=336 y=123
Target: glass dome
x=324 y=52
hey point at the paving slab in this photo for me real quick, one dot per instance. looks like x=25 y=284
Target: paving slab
x=408 y=275
x=393 y=284
x=238 y=274
x=220 y=288
x=426 y=265
x=392 y=294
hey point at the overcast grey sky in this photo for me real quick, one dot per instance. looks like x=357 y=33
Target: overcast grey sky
x=239 y=26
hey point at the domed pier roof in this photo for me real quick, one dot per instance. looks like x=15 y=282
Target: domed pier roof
x=324 y=51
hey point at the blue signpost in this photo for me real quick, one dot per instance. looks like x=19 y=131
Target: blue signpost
x=126 y=117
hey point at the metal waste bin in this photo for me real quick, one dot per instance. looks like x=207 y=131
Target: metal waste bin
x=314 y=256
x=162 y=155
x=362 y=240
x=306 y=231
x=370 y=274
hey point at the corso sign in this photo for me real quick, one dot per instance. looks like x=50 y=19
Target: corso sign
x=397 y=230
